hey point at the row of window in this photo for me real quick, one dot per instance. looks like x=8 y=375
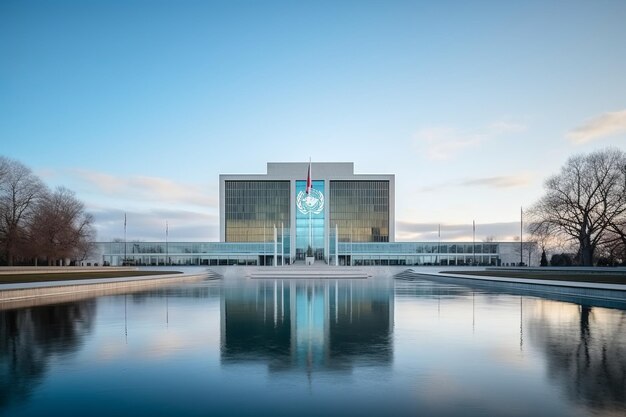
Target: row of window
x=413 y=247
x=257 y=247
x=362 y=205
x=360 y=210
x=253 y=207
x=425 y=261
x=268 y=260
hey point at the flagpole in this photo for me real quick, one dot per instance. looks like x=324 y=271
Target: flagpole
x=473 y=242
x=521 y=235
x=310 y=229
x=438 y=243
x=166 y=248
x=124 y=260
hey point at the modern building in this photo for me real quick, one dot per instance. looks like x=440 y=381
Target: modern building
x=360 y=208
x=345 y=219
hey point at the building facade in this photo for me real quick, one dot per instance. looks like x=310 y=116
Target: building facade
x=345 y=219
x=356 y=207
x=345 y=253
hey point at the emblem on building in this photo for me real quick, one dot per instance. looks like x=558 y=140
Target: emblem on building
x=310 y=203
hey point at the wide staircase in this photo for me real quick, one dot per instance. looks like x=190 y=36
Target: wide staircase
x=315 y=271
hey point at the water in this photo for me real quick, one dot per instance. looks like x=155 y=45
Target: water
x=339 y=348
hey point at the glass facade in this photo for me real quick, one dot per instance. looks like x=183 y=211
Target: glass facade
x=310 y=219
x=253 y=208
x=189 y=253
x=418 y=253
x=360 y=209
x=222 y=253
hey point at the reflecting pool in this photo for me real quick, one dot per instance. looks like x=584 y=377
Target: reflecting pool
x=370 y=347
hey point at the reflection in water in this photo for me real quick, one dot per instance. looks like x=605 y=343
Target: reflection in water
x=315 y=347
x=582 y=344
x=585 y=350
x=31 y=337
x=308 y=324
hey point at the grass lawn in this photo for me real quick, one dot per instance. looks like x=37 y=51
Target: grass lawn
x=62 y=276
x=600 y=277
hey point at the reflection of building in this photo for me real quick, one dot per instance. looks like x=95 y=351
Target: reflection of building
x=307 y=324
x=361 y=207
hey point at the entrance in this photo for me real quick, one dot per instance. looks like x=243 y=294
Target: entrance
x=310 y=220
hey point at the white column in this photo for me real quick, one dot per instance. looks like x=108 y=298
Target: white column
x=336 y=245
x=275 y=246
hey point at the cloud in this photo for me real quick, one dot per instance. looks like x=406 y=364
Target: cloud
x=502 y=181
x=191 y=210
x=410 y=231
x=607 y=124
x=147 y=188
x=445 y=142
x=149 y=225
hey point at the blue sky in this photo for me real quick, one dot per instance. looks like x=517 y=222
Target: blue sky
x=139 y=105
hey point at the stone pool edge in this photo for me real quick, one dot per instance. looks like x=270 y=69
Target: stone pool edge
x=610 y=292
x=548 y=282
x=12 y=293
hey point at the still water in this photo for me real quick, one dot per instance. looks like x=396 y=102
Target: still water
x=296 y=348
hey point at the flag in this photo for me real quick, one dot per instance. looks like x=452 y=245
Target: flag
x=309 y=182
x=124 y=222
x=439 y=231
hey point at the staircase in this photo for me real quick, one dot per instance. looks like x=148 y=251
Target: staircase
x=301 y=271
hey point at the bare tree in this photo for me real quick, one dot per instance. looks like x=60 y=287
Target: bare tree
x=4 y=168
x=528 y=248
x=583 y=200
x=19 y=191
x=60 y=229
x=539 y=233
x=546 y=242
x=614 y=243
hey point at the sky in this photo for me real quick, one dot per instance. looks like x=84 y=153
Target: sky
x=138 y=106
